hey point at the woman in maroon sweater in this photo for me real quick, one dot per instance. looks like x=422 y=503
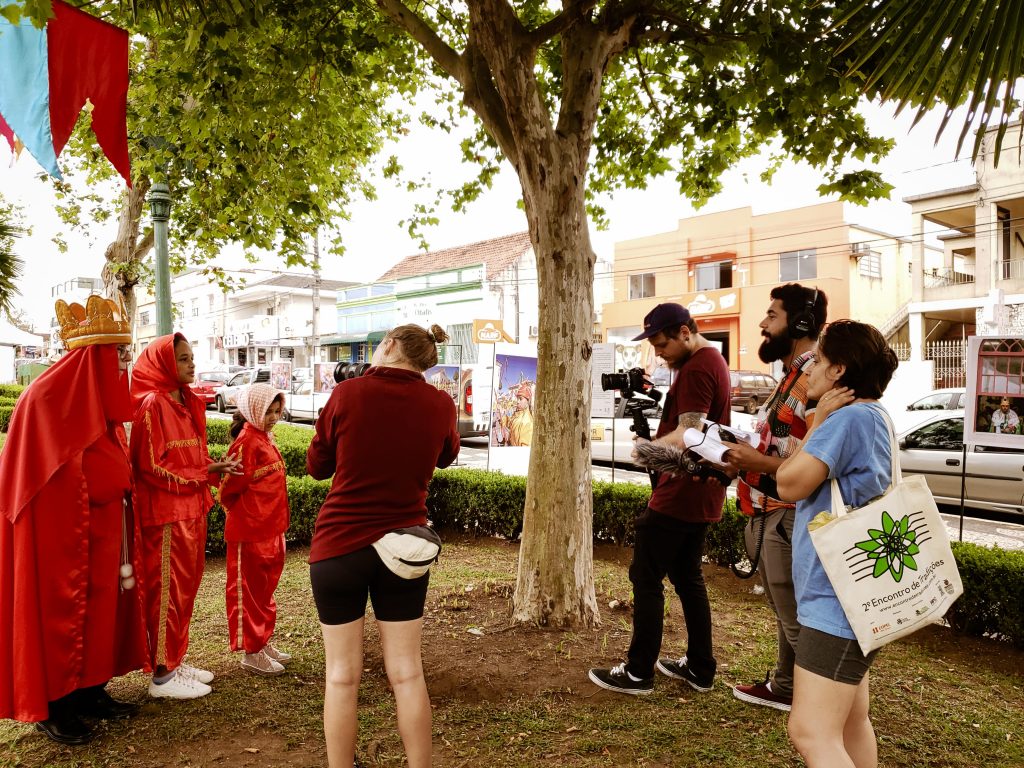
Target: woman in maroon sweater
x=381 y=435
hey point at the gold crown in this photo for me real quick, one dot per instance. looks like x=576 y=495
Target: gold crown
x=100 y=321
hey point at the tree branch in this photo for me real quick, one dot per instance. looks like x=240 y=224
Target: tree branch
x=560 y=23
x=420 y=31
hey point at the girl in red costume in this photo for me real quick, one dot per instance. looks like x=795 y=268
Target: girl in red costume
x=173 y=474
x=68 y=621
x=256 y=503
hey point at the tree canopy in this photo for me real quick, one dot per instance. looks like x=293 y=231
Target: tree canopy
x=10 y=265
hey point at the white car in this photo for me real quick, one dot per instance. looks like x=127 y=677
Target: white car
x=227 y=396
x=303 y=403
x=941 y=402
x=994 y=476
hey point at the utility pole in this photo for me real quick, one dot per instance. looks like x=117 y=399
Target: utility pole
x=314 y=357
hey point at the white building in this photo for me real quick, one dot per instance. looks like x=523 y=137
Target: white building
x=976 y=285
x=492 y=279
x=268 y=316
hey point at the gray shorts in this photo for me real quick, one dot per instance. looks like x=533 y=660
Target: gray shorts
x=835 y=658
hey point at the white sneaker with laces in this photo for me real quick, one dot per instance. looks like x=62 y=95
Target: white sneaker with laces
x=262 y=664
x=179 y=687
x=276 y=655
x=204 y=676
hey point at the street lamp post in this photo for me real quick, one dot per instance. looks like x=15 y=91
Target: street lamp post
x=160 y=206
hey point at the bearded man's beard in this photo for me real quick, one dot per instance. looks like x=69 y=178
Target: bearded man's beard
x=774 y=348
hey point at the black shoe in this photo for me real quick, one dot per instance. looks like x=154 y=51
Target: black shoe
x=96 y=702
x=680 y=670
x=66 y=729
x=618 y=680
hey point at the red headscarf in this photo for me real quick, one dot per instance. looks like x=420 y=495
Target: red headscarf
x=63 y=412
x=156 y=370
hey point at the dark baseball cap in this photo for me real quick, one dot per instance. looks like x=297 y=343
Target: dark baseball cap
x=663 y=316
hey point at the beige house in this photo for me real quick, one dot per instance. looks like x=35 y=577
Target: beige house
x=722 y=266
x=975 y=284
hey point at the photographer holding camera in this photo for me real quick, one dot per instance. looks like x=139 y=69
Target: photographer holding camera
x=790 y=329
x=669 y=538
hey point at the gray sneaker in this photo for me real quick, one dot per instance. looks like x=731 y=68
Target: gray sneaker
x=680 y=670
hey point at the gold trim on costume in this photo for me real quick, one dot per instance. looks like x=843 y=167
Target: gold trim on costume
x=238 y=589
x=192 y=442
x=277 y=465
x=165 y=596
x=158 y=469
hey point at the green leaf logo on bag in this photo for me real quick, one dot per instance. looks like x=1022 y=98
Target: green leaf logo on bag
x=890 y=549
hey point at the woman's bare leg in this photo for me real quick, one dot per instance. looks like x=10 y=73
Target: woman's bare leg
x=343 y=652
x=400 y=642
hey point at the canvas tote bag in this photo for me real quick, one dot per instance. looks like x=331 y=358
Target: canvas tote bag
x=889 y=561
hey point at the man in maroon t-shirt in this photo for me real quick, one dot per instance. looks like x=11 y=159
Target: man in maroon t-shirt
x=670 y=533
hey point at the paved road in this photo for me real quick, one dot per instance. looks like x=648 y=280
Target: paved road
x=985 y=531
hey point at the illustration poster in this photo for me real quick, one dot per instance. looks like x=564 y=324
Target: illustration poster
x=323 y=377
x=512 y=399
x=444 y=378
x=281 y=374
x=994 y=415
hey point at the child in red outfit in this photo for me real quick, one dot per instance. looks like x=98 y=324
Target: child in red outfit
x=256 y=503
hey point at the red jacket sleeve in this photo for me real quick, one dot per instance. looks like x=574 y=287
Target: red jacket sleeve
x=452 y=443
x=321 y=457
x=158 y=459
x=233 y=486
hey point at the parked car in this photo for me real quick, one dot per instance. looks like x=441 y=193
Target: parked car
x=207 y=384
x=227 y=396
x=750 y=389
x=994 y=476
x=303 y=403
x=941 y=402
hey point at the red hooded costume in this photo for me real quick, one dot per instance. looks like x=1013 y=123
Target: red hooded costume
x=256 y=503
x=172 y=497
x=65 y=623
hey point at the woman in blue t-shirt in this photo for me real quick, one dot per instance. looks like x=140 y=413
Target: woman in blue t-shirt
x=849 y=441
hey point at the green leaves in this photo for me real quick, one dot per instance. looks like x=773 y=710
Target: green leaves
x=10 y=265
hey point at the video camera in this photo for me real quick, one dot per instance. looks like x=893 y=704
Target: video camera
x=633 y=382
x=344 y=371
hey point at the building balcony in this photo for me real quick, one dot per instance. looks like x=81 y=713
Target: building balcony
x=944 y=284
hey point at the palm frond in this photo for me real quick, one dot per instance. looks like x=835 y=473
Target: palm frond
x=10 y=266
x=920 y=52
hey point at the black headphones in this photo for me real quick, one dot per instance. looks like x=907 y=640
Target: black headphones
x=803 y=323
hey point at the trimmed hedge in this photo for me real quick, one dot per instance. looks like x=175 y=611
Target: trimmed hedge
x=5 y=416
x=11 y=390
x=491 y=504
x=993 y=600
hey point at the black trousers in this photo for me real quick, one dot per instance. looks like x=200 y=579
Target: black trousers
x=666 y=546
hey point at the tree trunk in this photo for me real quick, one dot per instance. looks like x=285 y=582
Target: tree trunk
x=123 y=268
x=555 y=584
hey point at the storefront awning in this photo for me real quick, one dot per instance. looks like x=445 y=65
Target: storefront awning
x=376 y=337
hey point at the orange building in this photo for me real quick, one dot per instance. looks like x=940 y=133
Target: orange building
x=722 y=266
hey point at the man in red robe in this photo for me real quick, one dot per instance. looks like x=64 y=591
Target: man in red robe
x=68 y=621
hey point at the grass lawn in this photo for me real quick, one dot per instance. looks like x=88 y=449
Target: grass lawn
x=506 y=696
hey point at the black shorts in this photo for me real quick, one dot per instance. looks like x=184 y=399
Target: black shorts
x=833 y=657
x=341 y=585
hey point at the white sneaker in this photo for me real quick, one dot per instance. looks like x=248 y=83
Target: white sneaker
x=277 y=655
x=204 y=676
x=262 y=664
x=179 y=687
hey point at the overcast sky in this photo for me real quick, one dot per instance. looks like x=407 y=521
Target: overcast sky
x=375 y=241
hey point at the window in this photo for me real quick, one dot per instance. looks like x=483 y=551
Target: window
x=144 y=317
x=211 y=302
x=869 y=264
x=713 y=275
x=798 y=265
x=944 y=435
x=641 y=286
x=195 y=307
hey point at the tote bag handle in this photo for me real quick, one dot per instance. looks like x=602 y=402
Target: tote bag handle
x=838 y=505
